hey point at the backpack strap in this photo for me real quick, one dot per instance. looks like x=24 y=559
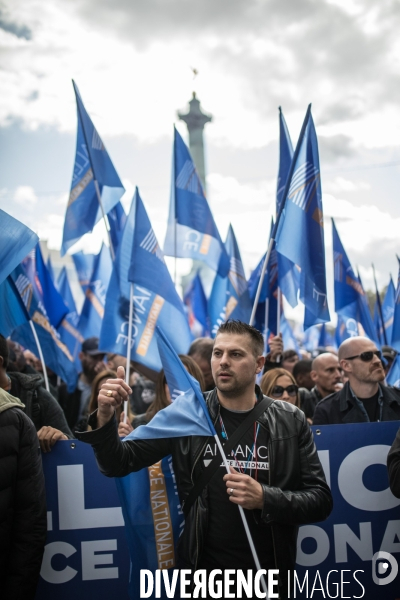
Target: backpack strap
x=209 y=471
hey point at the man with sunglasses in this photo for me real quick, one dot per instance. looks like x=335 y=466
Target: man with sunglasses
x=364 y=398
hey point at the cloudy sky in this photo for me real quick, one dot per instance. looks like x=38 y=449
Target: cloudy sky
x=133 y=64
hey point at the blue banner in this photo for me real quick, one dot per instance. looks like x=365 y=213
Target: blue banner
x=87 y=555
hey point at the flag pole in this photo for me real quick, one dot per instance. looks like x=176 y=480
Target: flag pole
x=97 y=188
x=278 y=217
x=128 y=350
x=378 y=300
x=260 y=283
x=278 y=312
x=46 y=381
x=245 y=524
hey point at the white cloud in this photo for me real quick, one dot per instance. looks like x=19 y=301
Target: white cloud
x=25 y=196
x=340 y=184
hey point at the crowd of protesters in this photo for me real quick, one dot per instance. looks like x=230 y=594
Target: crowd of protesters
x=331 y=387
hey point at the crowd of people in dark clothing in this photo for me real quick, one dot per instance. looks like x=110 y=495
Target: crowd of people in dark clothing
x=331 y=387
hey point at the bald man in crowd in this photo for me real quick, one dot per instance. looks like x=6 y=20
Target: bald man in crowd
x=364 y=398
x=327 y=377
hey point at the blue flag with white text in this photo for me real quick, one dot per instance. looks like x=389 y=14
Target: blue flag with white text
x=289 y=273
x=229 y=298
x=192 y=232
x=56 y=355
x=140 y=261
x=92 y=163
x=153 y=521
x=92 y=313
x=300 y=234
x=16 y=241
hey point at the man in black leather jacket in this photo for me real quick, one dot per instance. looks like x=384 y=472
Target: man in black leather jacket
x=364 y=398
x=285 y=486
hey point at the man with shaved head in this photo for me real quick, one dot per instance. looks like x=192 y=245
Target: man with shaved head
x=364 y=398
x=327 y=377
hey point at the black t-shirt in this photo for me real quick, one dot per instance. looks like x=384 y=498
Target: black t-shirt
x=371 y=405
x=226 y=544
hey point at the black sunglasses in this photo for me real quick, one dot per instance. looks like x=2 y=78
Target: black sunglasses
x=366 y=356
x=277 y=390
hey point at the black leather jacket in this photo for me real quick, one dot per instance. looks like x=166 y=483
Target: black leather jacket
x=297 y=493
x=341 y=407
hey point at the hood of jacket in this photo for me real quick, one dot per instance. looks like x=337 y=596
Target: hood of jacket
x=29 y=382
x=7 y=401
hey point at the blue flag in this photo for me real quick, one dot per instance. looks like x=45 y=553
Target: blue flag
x=229 y=298
x=388 y=310
x=288 y=337
x=300 y=234
x=178 y=378
x=140 y=261
x=393 y=377
x=192 y=232
x=44 y=287
x=285 y=159
x=396 y=317
x=196 y=304
x=378 y=324
x=92 y=163
x=68 y=329
x=95 y=295
x=188 y=414
x=116 y=219
x=13 y=312
x=350 y=298
x=311 y=338
x=289 y=273
x=56 y=354
x=16 y=241
x=84 y=264
x=153 y=520
x=50 y=269
x=267 y=309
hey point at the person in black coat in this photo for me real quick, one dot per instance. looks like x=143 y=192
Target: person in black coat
x=23 y=517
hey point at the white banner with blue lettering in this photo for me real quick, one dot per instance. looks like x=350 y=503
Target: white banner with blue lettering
x=353 y=554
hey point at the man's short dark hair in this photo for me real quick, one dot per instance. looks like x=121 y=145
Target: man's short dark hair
x=240 y=328
x=302 y=367
x=202 y=347
x=4 y=350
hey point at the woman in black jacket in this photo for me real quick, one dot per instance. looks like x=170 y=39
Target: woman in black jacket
x=23 y=516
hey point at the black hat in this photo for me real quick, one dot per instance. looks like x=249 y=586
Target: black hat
x=91 y=346
x=389 y=352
